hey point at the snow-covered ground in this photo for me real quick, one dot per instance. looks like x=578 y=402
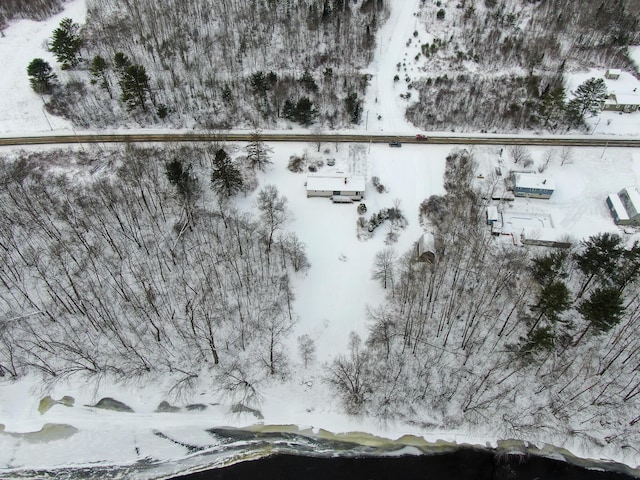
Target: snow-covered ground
x=332 y=298
x=609 y=122
x=22 y=41
x=331 y=301
x=383 y=107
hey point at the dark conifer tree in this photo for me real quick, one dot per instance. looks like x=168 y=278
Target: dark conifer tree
x=66 y=43
x=226 y=179
x=41 y=76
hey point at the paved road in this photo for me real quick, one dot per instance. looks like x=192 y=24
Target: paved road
x=573 y=141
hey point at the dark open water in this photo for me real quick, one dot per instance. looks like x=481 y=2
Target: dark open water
x=462 y=464
x=286 y=453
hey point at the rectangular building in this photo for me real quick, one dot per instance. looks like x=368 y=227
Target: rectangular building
x=339 y=186
x=533 y=186
x=625 y=206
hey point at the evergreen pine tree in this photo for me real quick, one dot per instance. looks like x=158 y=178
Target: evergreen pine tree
x=259 y=83
x=552 y=107
x=258 y=152
x=288 y=110
x=226 y=179
x=134 y=83
x=121 y=61
x=98 y=70
x=588 y=99
x=308 y=82
x=554 y=299
x=41 y=76
x=600 y=258
x=550 y=267
x=603 y=310
x=353 y=107
x=66 y=43
x=305 y=113
x=184 y=180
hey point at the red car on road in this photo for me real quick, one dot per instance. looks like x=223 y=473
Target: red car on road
x=421 y=137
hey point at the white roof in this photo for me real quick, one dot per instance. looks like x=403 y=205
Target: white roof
x=427 y=242
x=628 y=99
x=614 y=71
x=335 y=183
x=618 y=206
x=492 y=212
x=532 y=180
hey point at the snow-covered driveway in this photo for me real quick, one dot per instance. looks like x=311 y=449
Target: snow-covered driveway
x=383 y=97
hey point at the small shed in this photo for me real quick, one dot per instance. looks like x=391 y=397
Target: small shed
x=533 y=186
x=613 y=74
x=492 y=214
x=340 y=186
x=426 y=248
x=625 y=206
x=544 y=237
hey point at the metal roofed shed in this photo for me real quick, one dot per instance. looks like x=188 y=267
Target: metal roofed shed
x=338 y=185
x=544 y=237
x=426 y=248
x=532 y=185
x=625 y=206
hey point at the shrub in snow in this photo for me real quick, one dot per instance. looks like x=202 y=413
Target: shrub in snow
x=380 y=188
x=295 y=164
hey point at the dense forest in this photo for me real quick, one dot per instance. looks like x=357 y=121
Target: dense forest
x=145 y=271
x=528 y=341
x=491 y=65
x=33 y=9
x=223 y=64
x=497 y=65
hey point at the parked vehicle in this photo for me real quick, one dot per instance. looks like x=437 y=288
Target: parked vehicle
x=331 y=162
x=395 y=144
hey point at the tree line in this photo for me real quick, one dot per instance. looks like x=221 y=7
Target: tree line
x=511 y=102
x=141 y=272
x=268 y=61
x=531 y=44
x=33 y=9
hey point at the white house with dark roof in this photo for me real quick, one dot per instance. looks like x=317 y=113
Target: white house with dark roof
x=625 y=206
x=338 y=186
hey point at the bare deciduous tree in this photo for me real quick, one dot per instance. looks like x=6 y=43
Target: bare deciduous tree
x=307 y=349
x=383 y=267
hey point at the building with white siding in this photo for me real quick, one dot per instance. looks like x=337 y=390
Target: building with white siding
x=339 y=186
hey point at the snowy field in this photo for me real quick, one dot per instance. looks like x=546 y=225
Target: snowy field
x=331 y=300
